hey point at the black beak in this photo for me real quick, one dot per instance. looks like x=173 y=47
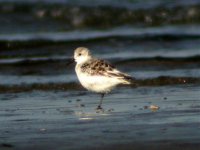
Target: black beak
x=70 y=61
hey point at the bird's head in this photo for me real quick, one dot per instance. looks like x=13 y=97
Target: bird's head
x=81 y=55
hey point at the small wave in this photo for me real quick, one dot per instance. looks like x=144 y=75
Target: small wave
x=58 y=17
x=165 y=32
x=34 y=60
x=113 y=3
x=57 y=69
x=173 y=59
x=54 y=76
x=121 y=59
x=159 y=81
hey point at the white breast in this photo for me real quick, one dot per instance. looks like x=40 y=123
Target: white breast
x=99 y=84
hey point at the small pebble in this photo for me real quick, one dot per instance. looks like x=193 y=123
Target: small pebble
x=82 y=105
x=165 y=98
x=42 y=129
x=6 y=145
x=78 y=100
x=154 y=107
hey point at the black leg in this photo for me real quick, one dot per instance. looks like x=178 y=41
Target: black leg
x=101 y=100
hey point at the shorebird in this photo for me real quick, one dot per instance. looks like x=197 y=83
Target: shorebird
x=98 y=75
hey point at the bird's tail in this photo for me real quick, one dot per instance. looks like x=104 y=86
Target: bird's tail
x=124 y=78
x=129 y=80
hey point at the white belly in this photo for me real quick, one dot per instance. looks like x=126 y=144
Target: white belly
x=99 y=84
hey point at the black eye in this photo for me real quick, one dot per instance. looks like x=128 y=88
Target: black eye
x=79 y=54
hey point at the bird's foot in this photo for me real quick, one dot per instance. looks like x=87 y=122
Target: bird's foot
x=99 y=109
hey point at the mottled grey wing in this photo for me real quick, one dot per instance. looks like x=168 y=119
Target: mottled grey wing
x=97 y=67
x=108 y=70
x=101 y=67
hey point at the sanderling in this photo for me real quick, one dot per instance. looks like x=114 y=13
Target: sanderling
x=97 y=75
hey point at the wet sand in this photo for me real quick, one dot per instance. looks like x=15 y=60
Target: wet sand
x=68 y=120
